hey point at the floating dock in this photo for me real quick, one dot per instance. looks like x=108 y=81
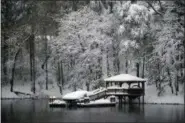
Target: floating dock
x=97 y=105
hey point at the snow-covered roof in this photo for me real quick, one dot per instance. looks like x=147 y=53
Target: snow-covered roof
x=125 y=78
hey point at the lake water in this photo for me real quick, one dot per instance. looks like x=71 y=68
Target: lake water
x=17 y=111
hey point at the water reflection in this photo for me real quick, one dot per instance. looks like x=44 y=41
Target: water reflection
x=17 y=111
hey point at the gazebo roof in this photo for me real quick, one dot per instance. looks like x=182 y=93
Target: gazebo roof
x=124 y=78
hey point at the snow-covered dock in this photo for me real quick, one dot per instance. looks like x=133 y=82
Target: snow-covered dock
x=97 y=103
x=81 y=99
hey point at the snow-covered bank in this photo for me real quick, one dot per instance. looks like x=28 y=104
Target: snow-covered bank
x=54 y=91
x=150 y=94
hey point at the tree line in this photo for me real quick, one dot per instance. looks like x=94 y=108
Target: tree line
x=79 y=43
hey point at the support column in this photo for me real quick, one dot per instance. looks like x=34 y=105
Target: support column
x=139 y=84
x=120 y=84
x=143 y=87
x=120 y=99
x=128 y=85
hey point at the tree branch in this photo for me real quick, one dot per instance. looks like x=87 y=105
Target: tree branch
x=160 y=4
x=154 y=8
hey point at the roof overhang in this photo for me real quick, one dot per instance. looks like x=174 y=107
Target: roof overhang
x=125 y=78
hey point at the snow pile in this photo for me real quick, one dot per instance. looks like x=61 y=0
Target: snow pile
x=124 y=77
x=75 y=95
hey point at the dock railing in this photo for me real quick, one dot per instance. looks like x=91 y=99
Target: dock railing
x=116 y=91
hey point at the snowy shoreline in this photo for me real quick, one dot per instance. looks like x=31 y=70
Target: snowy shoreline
x=150 y=95
x=153 y=103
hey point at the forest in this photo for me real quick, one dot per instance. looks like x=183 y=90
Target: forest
x=60 y=45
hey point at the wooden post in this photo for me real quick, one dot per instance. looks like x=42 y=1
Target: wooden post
x=128 y=85
x=121 y=99
x=124 y=99
x=139 y=84
x=137 y=68
x=120 y=84
x=143 y=87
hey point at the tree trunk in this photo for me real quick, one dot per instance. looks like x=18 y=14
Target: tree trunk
x=4 y=45
x=111 y=7
x=34 y=69
x=32 y=61
x=108 y=68
x=46 y=55
x=13 y=70
x=170 y=80
x=4 y=55
x=118 y=65
x=62 y=74
x=59 y=78
x=184 y=68
x=90 y=78
x=143 y=73
x=31 y=56
x=74 y=87
x=87 y=86
x=177 y=84
x=126 y=66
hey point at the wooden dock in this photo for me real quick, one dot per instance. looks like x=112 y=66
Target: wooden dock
x=96 y=105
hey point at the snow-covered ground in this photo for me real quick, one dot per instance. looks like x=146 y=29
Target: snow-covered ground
x=166 y=98
x=5 y=93
x=53 y=91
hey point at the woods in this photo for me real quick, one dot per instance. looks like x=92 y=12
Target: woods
x=67 y=44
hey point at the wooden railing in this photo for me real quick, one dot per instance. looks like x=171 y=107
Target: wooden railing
x=98 y=95
x=130 y=91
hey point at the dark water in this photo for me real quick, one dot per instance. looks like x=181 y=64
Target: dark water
x=17 y=111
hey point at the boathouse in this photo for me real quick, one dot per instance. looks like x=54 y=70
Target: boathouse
x=125 y=86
